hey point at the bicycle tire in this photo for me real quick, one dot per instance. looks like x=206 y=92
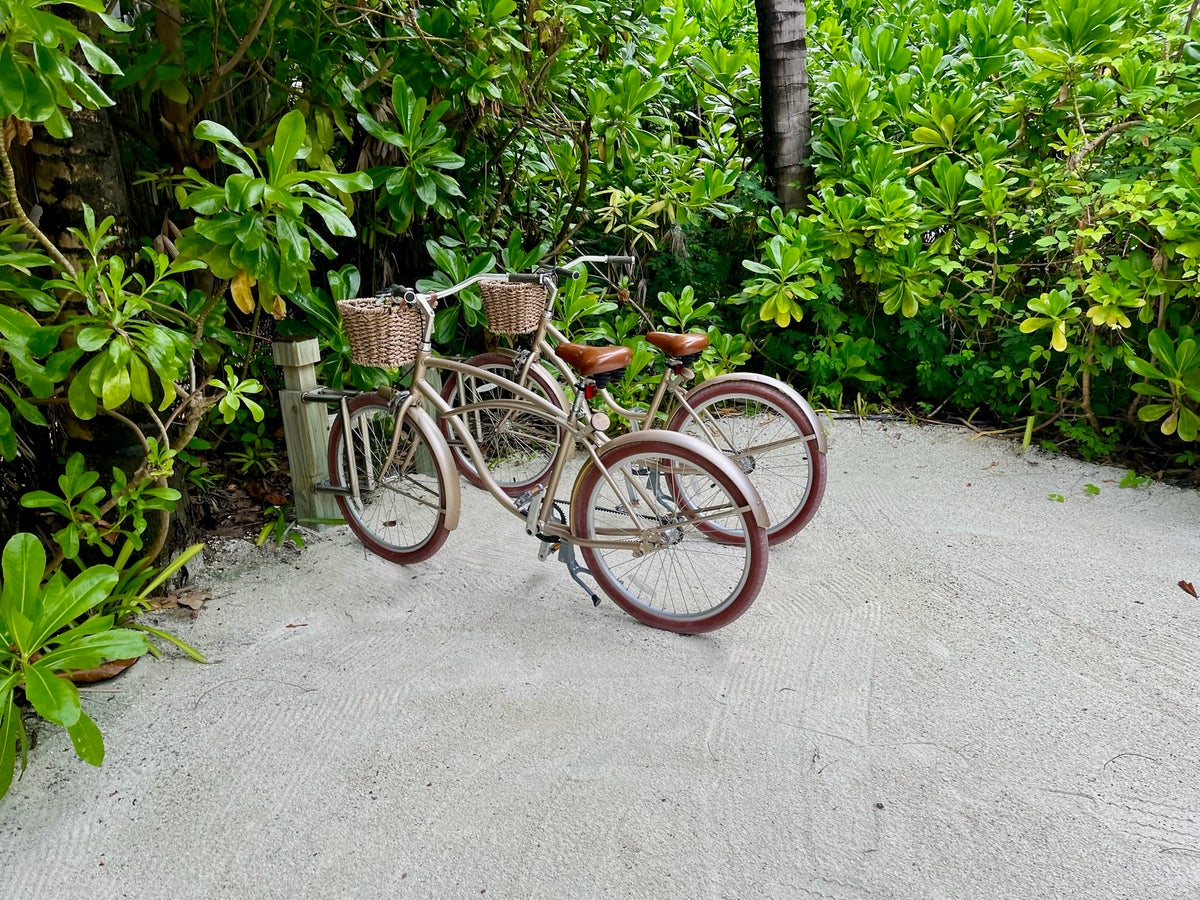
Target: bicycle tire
x=521 y=452
x=671 y=587
x=401 y=511
x=736 y=417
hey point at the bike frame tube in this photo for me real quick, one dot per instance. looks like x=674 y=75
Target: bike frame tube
x=527 y=401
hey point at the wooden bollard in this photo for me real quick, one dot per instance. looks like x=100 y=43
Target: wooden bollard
x=305 y=430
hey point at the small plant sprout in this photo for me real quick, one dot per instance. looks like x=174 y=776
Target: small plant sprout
x=235 y=390
x=1133 y=480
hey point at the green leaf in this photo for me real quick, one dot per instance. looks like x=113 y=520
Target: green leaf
x=174 y=89
x=90 y=650
x=289 y=139
x=93 y=337
x=1189 y=424
x=82 y=397
x=85 y=591
x=117 y=386
x=8 y=437
x=10 y=722
x=1143 y=368
x=1033 y=323
x=333 y=217
x=243 y=191
x=925 y=135
x=98 y=59
x=89 y=743
x=1152 y=412
x=12 y=85
x=1162 y=347
x=216 y=133
x=54 y=698
x=23 y=563
x=139 y=380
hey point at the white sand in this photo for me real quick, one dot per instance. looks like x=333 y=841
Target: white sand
x=952 y=686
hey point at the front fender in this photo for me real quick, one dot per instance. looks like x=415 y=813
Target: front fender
x=442 y=458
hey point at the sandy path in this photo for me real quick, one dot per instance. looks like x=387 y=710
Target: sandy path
x=952 y=686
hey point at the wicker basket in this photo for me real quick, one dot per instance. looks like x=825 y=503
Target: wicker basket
x=513 y=308
x=383 y=333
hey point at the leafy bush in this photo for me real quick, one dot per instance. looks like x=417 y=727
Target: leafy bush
x=1008 y=198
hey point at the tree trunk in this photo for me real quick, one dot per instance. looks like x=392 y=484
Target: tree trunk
x=787 y=126
x=85 y=167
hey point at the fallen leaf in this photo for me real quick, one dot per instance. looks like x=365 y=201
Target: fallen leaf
x=1189 y=588
x=193 y=600
x=275 y=499
x=297 y=625
x=102 y=672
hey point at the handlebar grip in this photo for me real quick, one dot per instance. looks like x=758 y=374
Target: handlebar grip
x=410 y=296
x=622 y=260
x=560 y=272
x=525 y=278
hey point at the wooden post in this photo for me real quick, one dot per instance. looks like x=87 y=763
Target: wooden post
x=306 y=431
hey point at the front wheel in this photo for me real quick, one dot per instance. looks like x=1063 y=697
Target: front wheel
x=400 y=513
x=769 y=437
x=658 y=564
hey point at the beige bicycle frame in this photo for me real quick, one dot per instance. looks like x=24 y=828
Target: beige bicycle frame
x=576 y=427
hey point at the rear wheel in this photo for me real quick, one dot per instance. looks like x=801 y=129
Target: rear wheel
x=518 y=446
x=766 y=434
x=662 y=569
x=400 y=513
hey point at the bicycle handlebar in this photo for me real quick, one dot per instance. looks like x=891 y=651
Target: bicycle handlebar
x=566 y=271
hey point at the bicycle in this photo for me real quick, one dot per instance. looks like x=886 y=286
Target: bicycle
x=636 y=507
x=763 y=424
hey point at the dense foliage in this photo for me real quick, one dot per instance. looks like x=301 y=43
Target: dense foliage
x=1005 y=218
x=1006 y=215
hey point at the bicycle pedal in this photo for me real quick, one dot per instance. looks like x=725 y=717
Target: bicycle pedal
x=549 y=545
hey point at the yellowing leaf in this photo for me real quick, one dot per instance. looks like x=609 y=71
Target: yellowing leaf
x=278 y=308
x=1058 y=336
x=240 y=289
x=1032 y=324
x=926 y=135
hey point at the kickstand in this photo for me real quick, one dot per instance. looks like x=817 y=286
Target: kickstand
x=566 y=555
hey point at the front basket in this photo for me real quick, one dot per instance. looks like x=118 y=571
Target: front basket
x=512 y=307
x=384 y=333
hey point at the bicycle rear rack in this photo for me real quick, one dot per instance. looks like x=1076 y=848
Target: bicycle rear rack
x=341 y=399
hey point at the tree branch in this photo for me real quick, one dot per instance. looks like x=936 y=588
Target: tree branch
x=1074 y=160
x=210 y=89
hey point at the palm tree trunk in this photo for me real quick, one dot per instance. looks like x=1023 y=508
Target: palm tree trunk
x=787 y=125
